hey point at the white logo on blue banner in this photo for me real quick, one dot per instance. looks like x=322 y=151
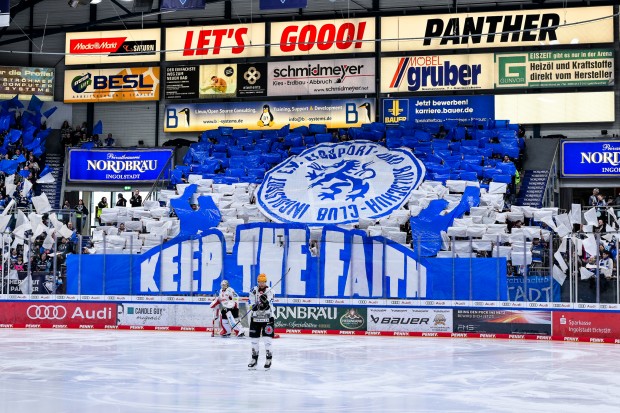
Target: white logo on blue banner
x=339 y=183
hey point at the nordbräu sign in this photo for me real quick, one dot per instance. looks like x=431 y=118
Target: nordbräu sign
x=117 y=165
x=587 y=158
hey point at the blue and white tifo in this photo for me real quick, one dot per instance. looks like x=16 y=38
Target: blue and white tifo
x=326 y=185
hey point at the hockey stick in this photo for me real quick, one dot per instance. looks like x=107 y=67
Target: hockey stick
x=273 y=286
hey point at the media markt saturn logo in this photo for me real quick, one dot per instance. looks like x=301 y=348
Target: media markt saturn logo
x=80 y=83
x=340 y=183
x=351 y=320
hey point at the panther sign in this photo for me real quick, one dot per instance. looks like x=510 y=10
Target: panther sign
x=339 y=183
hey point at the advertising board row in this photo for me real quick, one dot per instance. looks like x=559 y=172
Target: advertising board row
x=517 y=28
x=399 y=321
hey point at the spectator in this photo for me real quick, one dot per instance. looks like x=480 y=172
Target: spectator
x=593 y=200
x=121 y=228
x=121 y=201
x=81 y=214
x=109 y=141
x=136 y=199
x=600 y=205
x=99 y=209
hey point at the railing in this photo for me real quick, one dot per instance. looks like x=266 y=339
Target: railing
x=552 y=179
x=161 y=183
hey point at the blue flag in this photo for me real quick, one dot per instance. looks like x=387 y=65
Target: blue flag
x=35 y=104
x=5 y=122
x=283 y=4
x=46 y=170
x=13 y=136
x=98 y=129
x=183 y=4
x=49 y=112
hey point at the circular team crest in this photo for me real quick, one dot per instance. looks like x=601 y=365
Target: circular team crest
x=339 y=183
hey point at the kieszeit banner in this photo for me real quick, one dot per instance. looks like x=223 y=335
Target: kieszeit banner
x=588 y=158
x=198 y=117
x=436 y=72
x=112 y=85
x=563 y=68
x=502 y=321
x=321 y=77
x=521 y=28
x=339 y=183
x=87 y=165
x=26 y=82
x=416 y=320
x=215 y=42
x=113 y=47
x=57 y=313
x=322 y=37
x=320 y=318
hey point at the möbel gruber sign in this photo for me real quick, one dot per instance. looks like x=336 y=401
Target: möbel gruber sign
x=498 y=29
x=419 y=320
x=26 y=82
x=321 y=77
x=113 y=47
x=117 y=165
x=590 y=158
x=561 y=68
x=320 y=318
x=112 y=85
x=215 y=42
x=323 y=37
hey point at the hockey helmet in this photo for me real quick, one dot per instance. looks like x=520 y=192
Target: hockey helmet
x=224 y=284
x=262 y=278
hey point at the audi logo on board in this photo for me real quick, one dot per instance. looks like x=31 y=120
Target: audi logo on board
x=46 y=312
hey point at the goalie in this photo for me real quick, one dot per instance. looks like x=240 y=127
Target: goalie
x=226 y=308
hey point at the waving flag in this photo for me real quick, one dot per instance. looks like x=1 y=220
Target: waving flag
x=35 y=104
x=98 y=129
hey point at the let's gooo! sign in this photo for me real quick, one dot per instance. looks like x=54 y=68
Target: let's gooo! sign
x=339 y=183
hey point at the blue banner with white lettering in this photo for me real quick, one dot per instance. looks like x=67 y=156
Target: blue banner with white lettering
x=590 y=158
x=283 y=4
x=118 y=165
x=432 y=111
x=539 y=288
x=345 y=264
x=183 y=4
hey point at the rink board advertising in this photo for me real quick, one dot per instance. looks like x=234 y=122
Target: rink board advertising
x=198 y=117
x=320 y=318
x=54 y=313
x=586 y=324
x=518 y=28
x=588 y=158
x=473 y=320
x=87 y=165
x=26 y=82
x=420 y=320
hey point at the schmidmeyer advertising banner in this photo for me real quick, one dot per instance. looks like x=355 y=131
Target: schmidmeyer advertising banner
x=433 y=72
x=26 y=82
x=215 y=42
x=198 y=117
x=113 y=47
x=340 y=183
x=112 y=85
x=87 y=165
x=590 y=158
x=562 y=68
x=321 y=77
x=417 y=320
x=514 y=28
x=437 y=109
x=323 y=37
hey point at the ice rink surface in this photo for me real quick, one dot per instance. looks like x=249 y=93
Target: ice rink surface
x=154 y=371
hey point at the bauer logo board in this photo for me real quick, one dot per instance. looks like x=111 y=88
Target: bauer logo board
x=340 y=183
x=516 y=28
x=215 y=42
x=323 y=37
x=119 y=46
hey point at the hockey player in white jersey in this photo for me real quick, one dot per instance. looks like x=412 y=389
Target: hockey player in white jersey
x=228 y=303
x=261 y=320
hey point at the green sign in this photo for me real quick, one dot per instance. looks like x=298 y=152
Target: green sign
x=127 y=188
x=320 y=318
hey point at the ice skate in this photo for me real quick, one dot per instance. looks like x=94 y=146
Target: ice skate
x=241 y=334
x=254 y=361
x=268 y=360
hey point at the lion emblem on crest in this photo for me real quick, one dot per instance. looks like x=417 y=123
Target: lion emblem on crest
x=347 y=177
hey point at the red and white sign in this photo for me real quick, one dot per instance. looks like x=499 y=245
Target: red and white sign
x=58 y=313
x=215 y=42
x=323 y=37
x=586 y=324
x=117 y=46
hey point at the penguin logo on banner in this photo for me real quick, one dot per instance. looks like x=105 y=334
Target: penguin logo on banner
x=339 y=183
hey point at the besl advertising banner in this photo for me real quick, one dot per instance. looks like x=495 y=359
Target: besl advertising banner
x=26 y=82
x=87 y=165
x=112 y=85
x=437 y=109
x=562 y=68
x=322 y=77
x=590 y=158
x=215 y=42
x=323 y=37
x=198 y=117
x=112 y=47
x=515 y=28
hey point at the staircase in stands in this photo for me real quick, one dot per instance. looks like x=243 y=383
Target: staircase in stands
x=56 y=162
x=533 y=186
